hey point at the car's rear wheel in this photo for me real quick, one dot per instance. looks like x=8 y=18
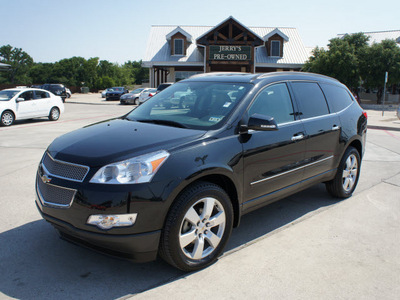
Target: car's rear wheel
x=346 y=178
x=54 y=114
x=7 y=118
x=197 y=228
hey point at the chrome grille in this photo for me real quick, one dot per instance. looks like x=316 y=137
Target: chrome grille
x=64 y=170
x=53 y=195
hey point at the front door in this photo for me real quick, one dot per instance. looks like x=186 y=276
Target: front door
x=273 y=160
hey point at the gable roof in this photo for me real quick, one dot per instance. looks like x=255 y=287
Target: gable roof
x=180 y=30
x=158 y=49
x=226 y=21
x=278 y=32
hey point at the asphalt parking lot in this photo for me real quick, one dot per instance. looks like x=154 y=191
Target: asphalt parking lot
x=307 y=246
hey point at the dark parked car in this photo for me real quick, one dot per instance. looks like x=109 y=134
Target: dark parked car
x=56 y=89
x=115 y=93
x=163 y=86
x=175 y=181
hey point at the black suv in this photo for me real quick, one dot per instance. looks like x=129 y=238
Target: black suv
x=115 y=93
x=175 y=180
x=56 y=89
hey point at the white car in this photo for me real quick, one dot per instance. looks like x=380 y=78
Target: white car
x=146 y=94
x=20 y=104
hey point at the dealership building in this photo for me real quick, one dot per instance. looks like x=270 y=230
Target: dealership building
x=174 y=53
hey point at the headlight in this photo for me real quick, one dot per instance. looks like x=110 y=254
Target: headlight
x=135 y=170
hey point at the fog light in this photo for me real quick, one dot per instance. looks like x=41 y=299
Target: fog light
x=110 y=221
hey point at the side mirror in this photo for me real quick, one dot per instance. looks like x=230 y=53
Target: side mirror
x=20 y=99
x=261 y=123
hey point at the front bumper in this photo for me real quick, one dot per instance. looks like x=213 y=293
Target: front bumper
x=142 y=247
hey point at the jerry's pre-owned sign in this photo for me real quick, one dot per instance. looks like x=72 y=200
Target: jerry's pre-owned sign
x=236 y=53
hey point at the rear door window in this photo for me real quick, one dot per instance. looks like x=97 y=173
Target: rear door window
x=338 y=97
x=310 y=98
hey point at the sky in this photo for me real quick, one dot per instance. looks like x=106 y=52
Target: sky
x=117 y=30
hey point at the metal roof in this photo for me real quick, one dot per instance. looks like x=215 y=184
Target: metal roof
x=379 y=36
x=158 y=50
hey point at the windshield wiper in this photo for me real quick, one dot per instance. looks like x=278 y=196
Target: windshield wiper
x=164 y=122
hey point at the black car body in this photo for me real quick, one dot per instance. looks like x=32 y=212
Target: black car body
x=175 y=180
x=56 y=89
x=115 y=93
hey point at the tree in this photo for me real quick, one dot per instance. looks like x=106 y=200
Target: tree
x=341 y=61
x=375 y=61
x=20 y=62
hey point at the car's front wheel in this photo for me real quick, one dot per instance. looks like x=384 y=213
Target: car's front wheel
x=347 y=174
x=7 y=118
x=197 y=228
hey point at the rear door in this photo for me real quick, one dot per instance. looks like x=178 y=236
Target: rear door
x=322 y=128
x=272 y=159
x=42 y=103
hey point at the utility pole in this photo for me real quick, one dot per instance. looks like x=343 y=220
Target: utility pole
x=384 y=94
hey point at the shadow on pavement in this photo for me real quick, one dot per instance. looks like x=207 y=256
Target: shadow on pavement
x=35 y=263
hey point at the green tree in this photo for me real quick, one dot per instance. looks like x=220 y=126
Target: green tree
x=20 y=62
x=375 y=61
x=341 y=60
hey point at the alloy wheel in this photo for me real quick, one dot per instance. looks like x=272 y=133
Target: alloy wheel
x=202 y=228
x=350 y=171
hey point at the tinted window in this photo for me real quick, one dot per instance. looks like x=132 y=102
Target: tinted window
x=27 y=95
x=41 y=94
x=338 y=97
x=311 y=100
x=274 y=101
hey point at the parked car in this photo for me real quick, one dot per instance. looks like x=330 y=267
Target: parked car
x=163 y=86
x=132 y=97
x=56 y=89
x=68 y=91
x=146 y=94
x=115 y=93
x=175 y=181
x=103 y=93
x=20 y=104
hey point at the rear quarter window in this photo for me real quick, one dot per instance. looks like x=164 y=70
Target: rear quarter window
x=338 y=97
x=310 y=98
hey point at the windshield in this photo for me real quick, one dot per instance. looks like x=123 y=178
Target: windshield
x=7 y=95
x=195 y=105
x=117 y=89
x=137 y=91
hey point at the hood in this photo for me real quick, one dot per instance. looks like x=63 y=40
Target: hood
x=116 y=140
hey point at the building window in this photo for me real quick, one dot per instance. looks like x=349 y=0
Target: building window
x=180 y=75
x=178 y=47
x=275 y=48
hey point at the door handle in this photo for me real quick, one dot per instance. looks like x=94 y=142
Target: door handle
x=297 y=137
x=335 y=127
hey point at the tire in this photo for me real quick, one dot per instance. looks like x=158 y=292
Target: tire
x=347 y=174
x=135 y=101
x=7 y=118
x=54 y=114
x=192 y=238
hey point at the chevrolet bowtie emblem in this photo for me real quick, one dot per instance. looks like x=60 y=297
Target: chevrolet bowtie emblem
x=45 y=178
